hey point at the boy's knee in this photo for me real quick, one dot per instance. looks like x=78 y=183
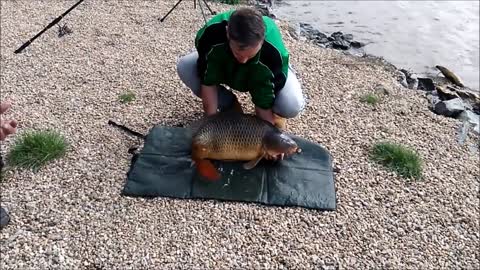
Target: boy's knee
x=187 y=71
x=182 y=66
x=290 y=102
x=292 y=108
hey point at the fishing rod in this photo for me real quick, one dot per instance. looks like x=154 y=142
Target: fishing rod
x=48 y=27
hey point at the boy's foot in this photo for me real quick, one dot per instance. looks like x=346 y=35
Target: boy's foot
x=279 y=121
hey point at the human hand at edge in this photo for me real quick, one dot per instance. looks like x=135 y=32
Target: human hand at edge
x=7 y=127
x=265 y=114
x=209 y=98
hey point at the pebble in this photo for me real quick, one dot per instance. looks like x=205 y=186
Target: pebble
x=72 y=84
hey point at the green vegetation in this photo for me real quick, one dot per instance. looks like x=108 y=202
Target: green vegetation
x=127 y=97
x=36 y=148
x=370 y=98
x=398 y=158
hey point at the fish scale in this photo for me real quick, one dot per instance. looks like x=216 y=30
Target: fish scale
x=233 y=136
x=236 y=136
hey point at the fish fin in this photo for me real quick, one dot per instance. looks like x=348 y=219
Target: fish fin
x=235 y=107
x=196 y=125
x=206 y=169
x=252 y=163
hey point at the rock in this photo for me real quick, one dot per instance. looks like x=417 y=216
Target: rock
x=265 y=7
x=306 y=27
x=342 y=41
x=319 y=36
x=425 y=84
x=472 y=118
x=450 y=108
x=434 y=99
x=341 y=44
x=411 y=79
x=469 y=97
x=446 y=94
x=412 y=82
x=407 y=73
x=294 y=30
x=402 y=79
x=357 y=44
x=336 y=40
x=348 y=37
x=337 y=35
x=465 y=93
x=355 y=52
x=322 y=40
x=463 y=132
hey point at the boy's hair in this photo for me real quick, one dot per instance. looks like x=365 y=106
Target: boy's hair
x=246 y=27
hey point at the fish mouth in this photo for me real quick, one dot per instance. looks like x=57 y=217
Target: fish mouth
x=293 y=150
x=280 y=144
x=285 y=152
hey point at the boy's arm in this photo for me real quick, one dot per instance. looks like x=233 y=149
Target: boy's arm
x=208 y=93
x=265 y=114
x=209 y=99
x=202 y=49
x=264 y=96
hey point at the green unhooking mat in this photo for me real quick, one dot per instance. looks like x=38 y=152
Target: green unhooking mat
x=163 y=168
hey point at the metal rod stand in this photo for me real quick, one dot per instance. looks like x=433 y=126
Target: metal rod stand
x=194 y=6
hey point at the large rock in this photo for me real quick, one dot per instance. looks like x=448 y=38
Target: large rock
x=265 y=7
x=340 y=44
x=411 y=79
x=401 y=78
x=294 y=30
x=471 y=98
x=336 y=40
x=450 y=108
x=425 y=84
x=446 y=94
x=357 y=44
x=472 y=118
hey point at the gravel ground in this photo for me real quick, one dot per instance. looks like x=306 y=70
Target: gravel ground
x=70 y=215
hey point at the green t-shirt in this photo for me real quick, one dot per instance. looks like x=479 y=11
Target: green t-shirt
x=262 y=76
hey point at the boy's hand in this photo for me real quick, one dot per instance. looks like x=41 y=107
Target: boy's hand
x=7 y=127
x=266 y=115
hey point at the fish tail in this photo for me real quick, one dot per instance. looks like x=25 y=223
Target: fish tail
x=206 y=169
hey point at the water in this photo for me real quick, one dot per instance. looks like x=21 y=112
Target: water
x=415 y=35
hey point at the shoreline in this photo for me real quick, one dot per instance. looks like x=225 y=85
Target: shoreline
x=445 y=97
x=268 y=6
x=70 y=214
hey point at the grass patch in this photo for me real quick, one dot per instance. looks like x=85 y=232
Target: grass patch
x=370 y=98
x=36 y=148
x=127 y=97
x=398 y=158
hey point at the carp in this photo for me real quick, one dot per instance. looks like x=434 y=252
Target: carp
x=234 y=136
